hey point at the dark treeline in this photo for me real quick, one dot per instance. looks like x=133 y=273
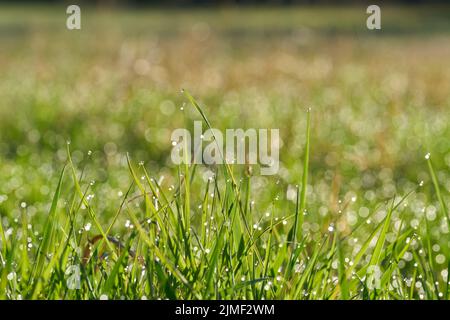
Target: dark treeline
x=175 y=3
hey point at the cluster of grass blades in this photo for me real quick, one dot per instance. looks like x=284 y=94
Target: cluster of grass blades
x=221 y=253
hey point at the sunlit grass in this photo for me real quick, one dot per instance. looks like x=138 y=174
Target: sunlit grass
x=355 y=212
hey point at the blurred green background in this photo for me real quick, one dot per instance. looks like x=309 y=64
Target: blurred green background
x=379 y=99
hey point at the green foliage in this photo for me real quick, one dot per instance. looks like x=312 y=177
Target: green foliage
x=355 y=212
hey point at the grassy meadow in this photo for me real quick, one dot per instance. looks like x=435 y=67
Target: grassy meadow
x=92 y=207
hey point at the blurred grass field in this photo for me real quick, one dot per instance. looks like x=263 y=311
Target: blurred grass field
x=379 y=103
